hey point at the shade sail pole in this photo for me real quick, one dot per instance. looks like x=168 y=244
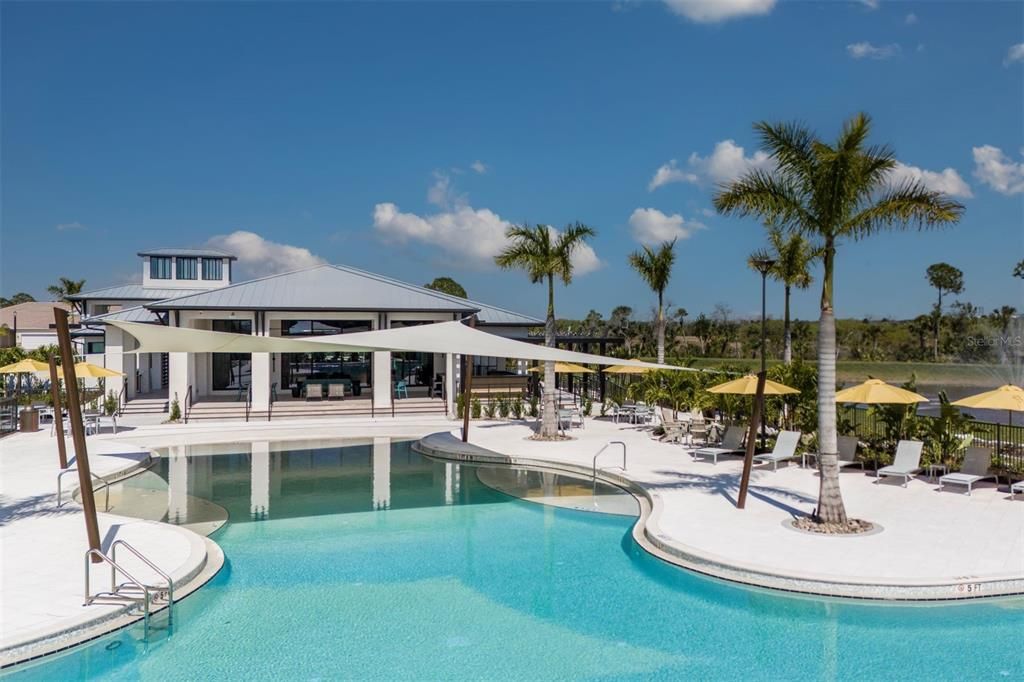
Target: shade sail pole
x=467 y=390
x=67 y=361
x=58 y=413
x=748 y=459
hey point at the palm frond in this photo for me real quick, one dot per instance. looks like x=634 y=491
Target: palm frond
x=907 y=204
x=774 y=197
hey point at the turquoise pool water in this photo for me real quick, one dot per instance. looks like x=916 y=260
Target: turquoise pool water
x=369 y=562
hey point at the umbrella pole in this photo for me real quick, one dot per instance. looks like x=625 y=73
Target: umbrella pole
x=58 y=413
x=92 y=529
x=748 y=459
x=467 y=390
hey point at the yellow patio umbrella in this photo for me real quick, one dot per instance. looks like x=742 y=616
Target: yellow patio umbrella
x=85 y=370
x=877 y=392
x=1007 y=397
x=25 y=366
x=748 y=386
x=564 y=368
x=626 y=369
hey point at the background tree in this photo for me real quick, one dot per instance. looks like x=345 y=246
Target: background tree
x=832 y=192
x=1002 y=317
x=447 y=285
x=1018 y=270
x=655 y=267
x=544 y=253
x=793 y=256
x=66 y=287
x=946 y=279
x=20 y=297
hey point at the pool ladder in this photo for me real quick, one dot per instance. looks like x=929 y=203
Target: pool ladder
x=150 y=594
x=601 y=451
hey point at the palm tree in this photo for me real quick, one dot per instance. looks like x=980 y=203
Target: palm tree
x=793 y=255
x=834 y=193
x=544 y=254
x=655 y=266
x=66 y=287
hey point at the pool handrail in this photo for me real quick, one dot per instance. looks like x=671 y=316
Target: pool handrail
x=605 y=447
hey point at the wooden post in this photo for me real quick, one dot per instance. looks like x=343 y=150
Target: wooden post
x=467 y=389
x=67 y=361
x=58 y=413
x=748 y=459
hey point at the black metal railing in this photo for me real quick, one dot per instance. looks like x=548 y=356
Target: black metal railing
x=187 y=408
x=248 y=401
x=8 y=415
x=122 y=397
x=270 y=402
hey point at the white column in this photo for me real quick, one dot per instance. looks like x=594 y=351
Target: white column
x=260 y=367
x=381 y=473
x=177 y=486
x=382 y=380
x=179 y=371
x=259 y=492
x=449 y=382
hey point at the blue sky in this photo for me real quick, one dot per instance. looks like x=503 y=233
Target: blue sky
x=402 y=137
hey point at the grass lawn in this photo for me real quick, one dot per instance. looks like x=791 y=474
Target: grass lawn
x=855 y=371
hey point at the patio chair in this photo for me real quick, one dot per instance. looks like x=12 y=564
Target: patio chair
x=642 y=414
x=784 y=450
x=674 y=429
x=65 y=425
x=313 y=391
x=698 y=432
x=906 y=463
x=401 y=389
x=847 y=453
x=974 y=468
x=335 y=391
x=1015 y=488
x=732 y=444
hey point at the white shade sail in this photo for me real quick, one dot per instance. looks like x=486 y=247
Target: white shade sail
x=440 y=337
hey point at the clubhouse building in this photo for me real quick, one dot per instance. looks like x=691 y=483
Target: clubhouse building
x=194 y=288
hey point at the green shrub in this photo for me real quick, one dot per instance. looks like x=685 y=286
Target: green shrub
x=517 y=408
x=110 y=404
x=588 y=406
x=175 y=410
x=534 y=407
x=502 y=408
x=476 y=410
x=460 y=405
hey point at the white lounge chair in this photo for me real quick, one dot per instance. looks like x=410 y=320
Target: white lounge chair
x=785 y=449
x=906 y=463
x=975 y=468
x=673 y=428
x=732 y=444
x=1017 y=487
x=847 y=453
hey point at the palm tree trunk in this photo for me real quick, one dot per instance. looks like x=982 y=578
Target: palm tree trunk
x=830 y=500
x=787 y=334
x=938 y=323
x=549 y=422
x=661 y=330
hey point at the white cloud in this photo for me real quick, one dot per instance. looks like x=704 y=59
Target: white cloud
x=713 y=11
x=947 y=181
x=866 y=50
x=70 y=226
x=650 y=226
x=997 y=170
x=727 y=162
x=442 y=194
x=479 y=166
x=870 y=4
x=668 y=173
x=910 y=19
x=260 y=257
x=1014 y=54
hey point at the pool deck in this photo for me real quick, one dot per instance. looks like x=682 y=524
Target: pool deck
x=933 y=545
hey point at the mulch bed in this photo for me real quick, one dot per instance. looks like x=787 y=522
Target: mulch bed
x=851 y=527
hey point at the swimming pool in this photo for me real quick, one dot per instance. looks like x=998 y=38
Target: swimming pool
x=368 y=561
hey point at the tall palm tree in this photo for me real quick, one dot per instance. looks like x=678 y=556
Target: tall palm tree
x=793 y=255
x=544 y=253
x=834 y=193
x=66 y=287
x=655 y=266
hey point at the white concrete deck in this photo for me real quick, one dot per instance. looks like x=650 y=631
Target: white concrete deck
x=934 y=545
x=42 y=573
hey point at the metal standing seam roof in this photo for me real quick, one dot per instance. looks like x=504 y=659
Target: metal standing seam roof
x=137 y=313
x=134 y=292
x=323 y=287
x=208 y=253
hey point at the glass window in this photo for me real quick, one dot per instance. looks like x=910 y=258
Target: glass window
x=231 y=370
x=159 y=267
x=94 y=347
x=187 y=268
x=212 y=268
x=323 y=327
x=298 y=367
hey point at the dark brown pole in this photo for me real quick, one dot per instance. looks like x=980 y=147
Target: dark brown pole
x=755 y=421
x=58 y=413
x=67 y=361
x=467 y=390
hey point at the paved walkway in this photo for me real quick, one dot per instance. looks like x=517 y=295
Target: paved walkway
x=934 y=545
x=41 y=576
